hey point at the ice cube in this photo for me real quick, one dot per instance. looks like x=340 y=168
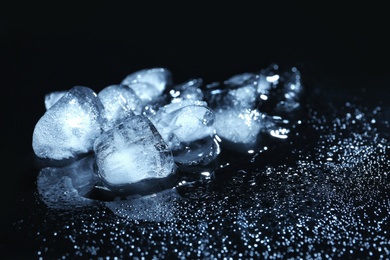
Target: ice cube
x=184 y=121
x=148 y=84
x=187 y=128
x=119 y=101
x=240 y=127
x=69 y=127
x=130 y=152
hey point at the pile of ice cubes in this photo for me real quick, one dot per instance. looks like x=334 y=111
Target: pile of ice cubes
x=147 y=127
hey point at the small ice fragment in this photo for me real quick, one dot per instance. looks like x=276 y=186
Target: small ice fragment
x=187 y=128
x=148 y=84
x=237 y=121
x=70 y=126
x=238 y=126
x=52 y=97
x=67 y=187
x=130 y=152
x=184 y=121
x=119 y=101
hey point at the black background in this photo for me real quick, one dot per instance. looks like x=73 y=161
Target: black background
x=43 y=49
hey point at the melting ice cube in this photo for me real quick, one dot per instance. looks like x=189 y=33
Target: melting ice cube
x=70 y=126
x=119 y=101
x=187 y=128
x=132 y=151
x=148 y=84
x=240 y=127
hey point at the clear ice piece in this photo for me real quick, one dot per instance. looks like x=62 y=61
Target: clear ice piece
x=248 y=104
x=187 y=128
x=149 y=84
x=119 y=101
x=238 y=126
x=130 y=152
x=69 y=127
x=184 y=121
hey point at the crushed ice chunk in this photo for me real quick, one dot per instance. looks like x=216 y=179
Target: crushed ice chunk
x=119 y=101
x=149 y=84
x=187 y=128
x=70 y=126
x=237 y=121
x=132 y=151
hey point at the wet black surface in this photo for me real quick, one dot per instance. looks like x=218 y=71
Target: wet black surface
x=322 y=192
